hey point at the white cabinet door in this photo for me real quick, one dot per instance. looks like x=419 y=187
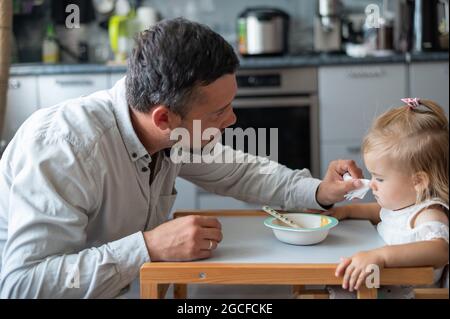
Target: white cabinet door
x=349 y=151
x=213 y=201
x=22 y=102
x=54 y=89
x=350 y=97
x=430 y=81
x=114 y=77
x=186 y=197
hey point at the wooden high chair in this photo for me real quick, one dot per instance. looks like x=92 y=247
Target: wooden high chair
x=435 y=293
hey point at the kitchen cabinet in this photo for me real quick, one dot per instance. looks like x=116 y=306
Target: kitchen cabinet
x=429 y=80
x=351 y=97
x=54 y=89
x=186 y=195
x=192 y=197
x=22 y=101
x=212 y=201
x=114 y=77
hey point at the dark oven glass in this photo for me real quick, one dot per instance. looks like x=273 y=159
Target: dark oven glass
x=294 y=149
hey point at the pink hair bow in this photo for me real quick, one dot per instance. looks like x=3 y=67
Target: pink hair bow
x=412 y=103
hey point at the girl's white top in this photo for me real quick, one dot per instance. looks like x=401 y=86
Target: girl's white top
x=396 y=227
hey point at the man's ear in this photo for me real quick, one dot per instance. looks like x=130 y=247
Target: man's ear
x=164 y=119
x=421 y=181
x=160 y=116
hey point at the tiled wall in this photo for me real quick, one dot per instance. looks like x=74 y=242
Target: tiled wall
x=221 y=15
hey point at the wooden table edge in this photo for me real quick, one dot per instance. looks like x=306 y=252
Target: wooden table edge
x=153 y=276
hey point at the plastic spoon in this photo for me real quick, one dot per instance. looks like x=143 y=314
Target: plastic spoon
x=280 y=217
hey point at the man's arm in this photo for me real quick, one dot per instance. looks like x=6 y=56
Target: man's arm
x=250 y=180
x=51 y=196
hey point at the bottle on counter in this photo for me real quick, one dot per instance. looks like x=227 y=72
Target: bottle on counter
x=50 y=48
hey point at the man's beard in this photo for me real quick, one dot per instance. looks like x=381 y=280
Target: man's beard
x=217 y=138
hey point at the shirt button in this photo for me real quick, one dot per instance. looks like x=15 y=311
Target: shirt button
x=134 y=155
x=144 y=169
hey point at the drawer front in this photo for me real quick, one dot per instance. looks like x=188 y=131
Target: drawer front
x=114 y=77
x=58 y=88
x=352 y=97
x=430 y=81
x=22 y=101
x=212 y=201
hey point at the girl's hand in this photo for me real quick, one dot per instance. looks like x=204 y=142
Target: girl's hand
x=354 y=269
x=340 y=213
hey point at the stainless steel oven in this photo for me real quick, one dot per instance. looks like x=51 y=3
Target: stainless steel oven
x=285 y=99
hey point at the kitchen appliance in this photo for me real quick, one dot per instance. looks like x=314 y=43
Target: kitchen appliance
x=385 y=37
x=263 y=31
x=328 y=26
x=443 y=24
x=72 y=41
x=430 y=25
x=146 y=17
x=403 y=25
x=120 y=30
x=285 y=99
x=353 y=35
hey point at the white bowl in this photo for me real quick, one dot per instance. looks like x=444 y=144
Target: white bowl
x=314 y=229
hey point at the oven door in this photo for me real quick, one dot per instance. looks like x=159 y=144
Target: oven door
x=295 y=117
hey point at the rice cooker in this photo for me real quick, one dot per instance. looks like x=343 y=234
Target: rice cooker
x=263 y=31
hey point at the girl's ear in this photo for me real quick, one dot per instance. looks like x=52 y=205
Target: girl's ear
x=421 y=181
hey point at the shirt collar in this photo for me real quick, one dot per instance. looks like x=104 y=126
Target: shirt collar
x=122 y=113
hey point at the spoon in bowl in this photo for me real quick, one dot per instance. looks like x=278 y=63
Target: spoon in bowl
x=280 y=217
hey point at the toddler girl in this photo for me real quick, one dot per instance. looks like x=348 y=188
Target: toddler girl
x=406 y=152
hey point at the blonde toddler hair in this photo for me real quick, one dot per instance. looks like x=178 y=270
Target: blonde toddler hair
x=415 y=138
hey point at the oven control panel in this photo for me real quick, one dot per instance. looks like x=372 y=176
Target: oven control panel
x=260 y=80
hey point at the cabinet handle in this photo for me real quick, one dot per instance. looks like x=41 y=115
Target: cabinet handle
x=14 y=84
x=74 y=82
x=368 y=74
x=354 y=149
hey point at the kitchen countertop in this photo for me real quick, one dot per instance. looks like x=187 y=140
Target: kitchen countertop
x=291 y=61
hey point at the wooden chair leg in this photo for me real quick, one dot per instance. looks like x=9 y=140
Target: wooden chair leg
x=300 y=292
x=153 y=291
x=180 y=291
x=367 y=293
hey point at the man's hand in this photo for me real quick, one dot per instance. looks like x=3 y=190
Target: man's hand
x=333 y=187
x=183 y=239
